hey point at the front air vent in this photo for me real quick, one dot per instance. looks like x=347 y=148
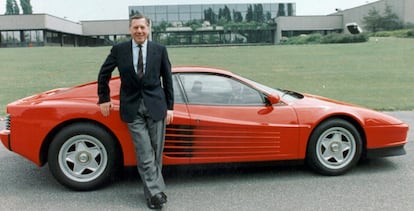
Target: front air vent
x=8 y=122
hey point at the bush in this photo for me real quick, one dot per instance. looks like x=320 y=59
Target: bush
x=410 y=33
x=303 y=39
x=344 y=38
x=403 y=33
x=324 y=39
x=382 y=34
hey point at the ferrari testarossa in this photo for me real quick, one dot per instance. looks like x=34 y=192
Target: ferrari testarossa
x=219 y=117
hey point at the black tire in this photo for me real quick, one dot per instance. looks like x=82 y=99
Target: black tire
x=83 y=156
x=334 y=147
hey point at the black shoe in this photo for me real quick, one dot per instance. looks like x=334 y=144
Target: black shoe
x=157 y=201
x=153 y=206
x=164 y=196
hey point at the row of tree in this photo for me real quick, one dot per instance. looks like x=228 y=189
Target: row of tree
x=388 y=21
x=255 y=13
x=12 y=8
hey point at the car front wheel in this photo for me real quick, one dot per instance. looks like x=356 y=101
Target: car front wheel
x=83 y=156
x=334 y=147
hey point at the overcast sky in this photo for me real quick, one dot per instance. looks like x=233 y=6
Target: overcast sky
x=78 y=10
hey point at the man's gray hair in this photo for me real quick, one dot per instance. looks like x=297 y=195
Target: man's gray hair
x=139 y=16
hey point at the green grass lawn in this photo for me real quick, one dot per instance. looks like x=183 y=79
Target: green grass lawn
x=378 y=74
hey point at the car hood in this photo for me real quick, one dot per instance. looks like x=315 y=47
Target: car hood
x=328 y=100
x=311 y=107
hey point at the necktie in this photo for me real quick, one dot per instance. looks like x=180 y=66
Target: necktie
x=140 y=68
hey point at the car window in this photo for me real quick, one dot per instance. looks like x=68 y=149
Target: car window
x=178 y=95
x=212 y=89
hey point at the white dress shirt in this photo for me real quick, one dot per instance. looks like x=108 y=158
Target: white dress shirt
x=135 y=52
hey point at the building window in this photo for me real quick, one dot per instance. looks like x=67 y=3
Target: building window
x=33 y=37
x=52 y=37
x=36 y=36
x=10 y=37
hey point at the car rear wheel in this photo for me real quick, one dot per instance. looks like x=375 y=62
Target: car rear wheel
x=83 y=156
x=334 y=147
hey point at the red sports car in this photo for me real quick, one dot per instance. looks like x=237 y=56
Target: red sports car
x=219 y=117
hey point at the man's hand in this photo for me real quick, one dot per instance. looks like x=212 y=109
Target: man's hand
x=105 y=108
x=170 y=116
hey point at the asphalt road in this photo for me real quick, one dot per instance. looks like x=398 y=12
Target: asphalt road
x=380 y=184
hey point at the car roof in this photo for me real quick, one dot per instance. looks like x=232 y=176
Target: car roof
x=200 y=69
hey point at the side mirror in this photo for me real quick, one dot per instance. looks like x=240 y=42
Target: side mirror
x=272 y=99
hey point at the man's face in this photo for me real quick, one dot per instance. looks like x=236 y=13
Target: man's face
x=139 y=30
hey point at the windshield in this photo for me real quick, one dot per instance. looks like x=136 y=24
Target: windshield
x=286 y=95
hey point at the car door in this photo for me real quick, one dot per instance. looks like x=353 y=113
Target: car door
x=176 y=144
x=230 y=122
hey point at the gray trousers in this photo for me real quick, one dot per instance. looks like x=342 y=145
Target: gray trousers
x=148 y=137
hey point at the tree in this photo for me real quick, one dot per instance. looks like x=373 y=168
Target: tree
x=226 y=14
x=258 y=14
x=372 y=22
x=375 y=22
x=12 y=8
x=161 y=27
x=210 y=16
x=249 y=14
x=391 y=21
x=281 y=11
x=26 y=6
x=268 y=16
x=290 y=9
x=237 y=16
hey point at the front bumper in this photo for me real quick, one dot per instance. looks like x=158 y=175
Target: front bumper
x=386 y=152
x=5 y=138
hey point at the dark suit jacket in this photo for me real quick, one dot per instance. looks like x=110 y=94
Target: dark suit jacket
x=157 y=94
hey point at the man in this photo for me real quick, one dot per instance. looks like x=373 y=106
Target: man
x=146 y=101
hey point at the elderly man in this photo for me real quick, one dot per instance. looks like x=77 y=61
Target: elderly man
x=146 y=101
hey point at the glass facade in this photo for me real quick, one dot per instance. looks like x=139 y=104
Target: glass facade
x=18 y=38
x=185 y=13
x=207 y=24
x=32 y=38
x=10 y=37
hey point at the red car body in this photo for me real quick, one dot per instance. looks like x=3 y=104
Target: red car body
x=280 y=128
